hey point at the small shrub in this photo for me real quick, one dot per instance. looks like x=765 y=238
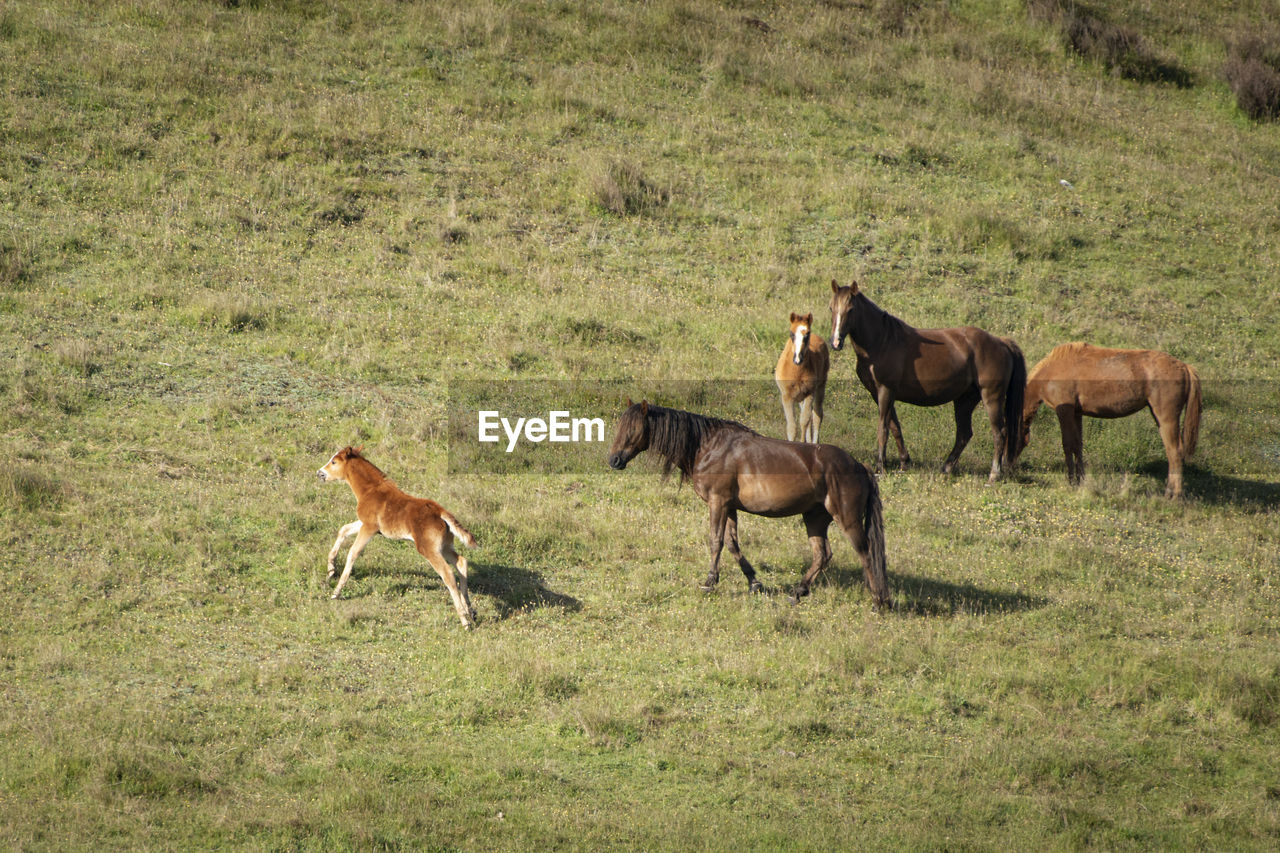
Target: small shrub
x=1253 y=73
x=15 y=264
x=1122 y=50
x=27 y=488
x=621 y=188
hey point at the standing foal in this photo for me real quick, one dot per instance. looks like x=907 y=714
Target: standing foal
x=801 y=375
x=382 y=508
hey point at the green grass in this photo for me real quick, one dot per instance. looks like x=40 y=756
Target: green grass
x=238 y=236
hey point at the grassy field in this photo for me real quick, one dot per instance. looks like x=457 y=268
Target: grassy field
x=237 y=236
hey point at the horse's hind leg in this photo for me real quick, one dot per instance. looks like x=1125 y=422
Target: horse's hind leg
x=731 y=537
x=806 y=419
x=459 y=564
x=816 y=522
x=435 y=557
x=719 y=519
x=1172 y=440
x=1070 y=421
x=993 y=400
x=964 y=407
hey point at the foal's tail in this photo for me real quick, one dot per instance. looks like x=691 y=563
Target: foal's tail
x=1014 y=396
x=873 y=523
x=1191 y=422
x=457 y=528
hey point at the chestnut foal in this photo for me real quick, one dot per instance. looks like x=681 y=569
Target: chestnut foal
x=382 y=508
x=801 y=375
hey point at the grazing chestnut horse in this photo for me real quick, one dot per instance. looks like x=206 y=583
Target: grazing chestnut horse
x=382 y=508
x=1080 y=379
x=929 y=367
x=733 y=468
x=801 y=375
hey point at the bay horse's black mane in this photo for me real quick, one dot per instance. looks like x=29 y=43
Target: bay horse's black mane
x=677 y=435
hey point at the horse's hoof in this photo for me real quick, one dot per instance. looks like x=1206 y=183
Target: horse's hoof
x=755 y=587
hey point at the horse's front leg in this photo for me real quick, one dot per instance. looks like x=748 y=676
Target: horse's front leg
x=347 y=530
x=884 y=399
x=788 y=411
x=731 y=536
x=719 y=518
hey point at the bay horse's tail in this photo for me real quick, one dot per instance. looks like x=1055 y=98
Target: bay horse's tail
x=1014 y=396
x=873 y=523
x=1191 y=421
x=457 y=528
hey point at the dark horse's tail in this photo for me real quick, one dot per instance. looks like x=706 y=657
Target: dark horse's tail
x=873 y=524
x=1191 y=421
x=1014 y=396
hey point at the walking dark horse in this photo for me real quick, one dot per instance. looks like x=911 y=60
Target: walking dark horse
x=1081 y=379
x=930 y=367
x=733 y=468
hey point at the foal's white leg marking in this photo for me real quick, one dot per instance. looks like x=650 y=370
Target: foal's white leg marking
x=347 y=530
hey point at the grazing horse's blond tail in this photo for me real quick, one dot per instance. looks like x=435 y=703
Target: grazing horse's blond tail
x=1191 y=420
x=457 y=528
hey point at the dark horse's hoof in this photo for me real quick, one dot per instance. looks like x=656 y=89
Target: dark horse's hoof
x=755 y=586
x=798 y=593
x=708 y=585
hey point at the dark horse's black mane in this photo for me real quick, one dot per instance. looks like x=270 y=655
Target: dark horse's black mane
x=677 y=435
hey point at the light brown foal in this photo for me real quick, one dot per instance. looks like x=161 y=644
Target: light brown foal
x=382 y=508
x=801 y=375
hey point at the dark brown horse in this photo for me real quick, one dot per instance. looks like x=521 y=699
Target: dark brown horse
x=930 y=367
x=733 y=468
x=1081 y=379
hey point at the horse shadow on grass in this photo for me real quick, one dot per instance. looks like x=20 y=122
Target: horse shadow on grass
x=511 y=589
x=915 y=595
x=1218 y=489
x=514 y=590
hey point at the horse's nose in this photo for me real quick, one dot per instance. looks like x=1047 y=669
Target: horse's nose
x=836 y=343
x=320 y=474
x=615 y=462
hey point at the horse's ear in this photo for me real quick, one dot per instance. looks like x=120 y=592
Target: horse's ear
x=794 y=317
x=808 y=319
x=835 y=288
x=853 y=286
x=356 y=451
x=644 y=407
x=629 y=403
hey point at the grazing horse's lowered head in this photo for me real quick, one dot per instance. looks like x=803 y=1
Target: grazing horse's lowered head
x=632 y=437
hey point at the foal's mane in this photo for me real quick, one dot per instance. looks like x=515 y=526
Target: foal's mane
x=677 y=435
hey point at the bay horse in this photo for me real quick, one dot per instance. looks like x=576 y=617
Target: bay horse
x=382 y=508
x=929 y=367
x=733 y=468
x=1079 y=379
x=801 y=375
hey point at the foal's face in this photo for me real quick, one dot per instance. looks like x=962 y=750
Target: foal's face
x=800 y=328
x=632 y=437
x=841 y=311
x=336 y=467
